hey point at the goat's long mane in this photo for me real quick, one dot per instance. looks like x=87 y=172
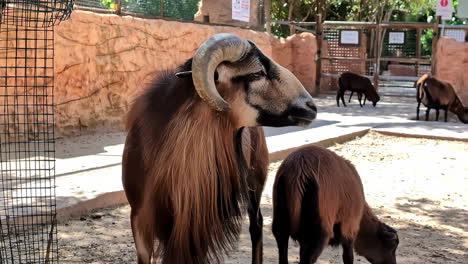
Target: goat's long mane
x=195 y=180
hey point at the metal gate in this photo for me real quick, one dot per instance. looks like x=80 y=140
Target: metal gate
x=389 y=53
x=393 y=55
x=27 y=147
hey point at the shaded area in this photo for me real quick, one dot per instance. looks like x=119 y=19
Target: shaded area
x=86 y=145
x=444 y=215
x=274 y=131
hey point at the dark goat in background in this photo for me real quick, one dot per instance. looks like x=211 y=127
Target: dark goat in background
x=318 y=199
x=351 y=95
x=439 y=95
x=349 y=81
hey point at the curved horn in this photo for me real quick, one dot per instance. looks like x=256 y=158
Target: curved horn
x=219 y=48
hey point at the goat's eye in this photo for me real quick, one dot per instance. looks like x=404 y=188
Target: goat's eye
x=258 y=74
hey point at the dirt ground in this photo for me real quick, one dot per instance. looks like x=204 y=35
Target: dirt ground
x=418 y=186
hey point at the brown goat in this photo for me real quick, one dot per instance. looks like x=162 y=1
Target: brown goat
x=437 y=94
x=359 y=84
x=318 y=199
x=189 y=165
x=419 y=92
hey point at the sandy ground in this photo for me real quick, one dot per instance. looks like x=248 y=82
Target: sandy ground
x=418 y=186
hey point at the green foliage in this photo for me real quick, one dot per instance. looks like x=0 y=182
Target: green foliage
x=361 y=10
x=180 y=9
x=358 y=10
x=109 y=3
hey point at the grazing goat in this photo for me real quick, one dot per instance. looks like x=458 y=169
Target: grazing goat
x=318 y=199
x=419 y=92
x=436 y=94
x=359 y=84
x=195 y=156
x=351 y=95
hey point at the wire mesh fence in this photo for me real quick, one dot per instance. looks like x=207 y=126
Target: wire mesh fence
x=34 y=13
x=27 y=146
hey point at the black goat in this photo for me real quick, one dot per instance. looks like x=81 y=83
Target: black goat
x=359 y=84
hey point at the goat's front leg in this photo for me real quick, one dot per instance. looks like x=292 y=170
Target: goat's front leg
x=437 y=114
x=427 y=113
x=446 y=112
x=417 y=110
x=256 y=226
x=340 y=95
x=142 y=235
x=360 y=98
x=351 y=95
x=348 y=256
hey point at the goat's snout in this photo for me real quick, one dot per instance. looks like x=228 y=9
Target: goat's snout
x=312 y=106
x=303 y=111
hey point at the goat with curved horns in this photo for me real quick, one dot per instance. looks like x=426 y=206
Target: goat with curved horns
x=194 y=156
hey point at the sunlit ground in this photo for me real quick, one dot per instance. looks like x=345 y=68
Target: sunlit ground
x=418 y=186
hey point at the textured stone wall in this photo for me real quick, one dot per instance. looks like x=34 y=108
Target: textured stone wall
x=452 y=64
x=103 y=61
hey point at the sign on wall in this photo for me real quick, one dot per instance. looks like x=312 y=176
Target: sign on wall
x=396 y=38
x=241 y=10
x=457 y=34
x=444 y=8
x=462 y=9
x=349 y=37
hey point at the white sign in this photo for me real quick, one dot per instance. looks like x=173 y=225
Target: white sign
x=349 y=37
x=396 y=38
x=462 y=9
x=241 y=10
x=444 y=9
x=457 y=34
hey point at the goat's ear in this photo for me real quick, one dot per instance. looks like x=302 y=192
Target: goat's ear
x=388 y=234
x=184 y=74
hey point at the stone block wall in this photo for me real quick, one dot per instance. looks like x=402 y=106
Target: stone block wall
x=103 y=61
x=452 y=64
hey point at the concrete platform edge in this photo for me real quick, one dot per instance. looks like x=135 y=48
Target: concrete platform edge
x=117 y=198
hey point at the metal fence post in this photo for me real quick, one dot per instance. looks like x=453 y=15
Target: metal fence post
x=268 y=15
x=418 y=49
x=434 y=45
x=319 y=36
x=118 y=7
x=378 y=52
x=161 y=8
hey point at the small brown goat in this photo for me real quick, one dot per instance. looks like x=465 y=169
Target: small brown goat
x=318 y=199
x=359 y=84
x=437 y=94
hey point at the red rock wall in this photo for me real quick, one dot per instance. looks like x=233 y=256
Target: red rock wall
x=103 y=61
x=452 y=64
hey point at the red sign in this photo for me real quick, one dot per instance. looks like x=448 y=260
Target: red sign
x=444 y=9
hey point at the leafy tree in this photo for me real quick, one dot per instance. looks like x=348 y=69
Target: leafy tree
x=359 y=10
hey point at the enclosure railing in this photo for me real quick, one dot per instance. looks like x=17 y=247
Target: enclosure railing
x=28 y=232
x=381 y=50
